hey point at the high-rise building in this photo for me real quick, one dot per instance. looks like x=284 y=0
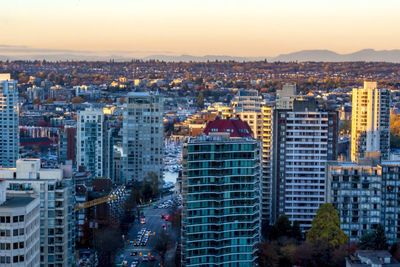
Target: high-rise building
x=251 y=108
x=304 y=139
x=90 y=141
x=286 y=96
x=221 y=196
x=19 y=229
x=247 y=100
x=143 y=137
x=67 y=144
x=9 y=135
x=370 y=129
x=260 y=122
x=57 y=203
x=366 y=194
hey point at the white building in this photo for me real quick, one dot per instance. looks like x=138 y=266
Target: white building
x=304 y=140
x=19 y=230
x=90 y=141
x=143 y=135
x=56 y=207
x=9 y=135
x=370 y=124
x=285 y=96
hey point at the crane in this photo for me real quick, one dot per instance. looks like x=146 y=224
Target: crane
x=112 y=196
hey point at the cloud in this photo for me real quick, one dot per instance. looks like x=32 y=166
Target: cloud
x=27 y=50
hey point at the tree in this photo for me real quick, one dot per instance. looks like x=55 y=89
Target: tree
x=162 y=244
x=380 y=238
x=77 y=100
x=49 y=101
x=326 y=226
x=36 y=101
x=200 y=100
x=282 y=227
x=266 y=255
x=106 y=242
x=367 y=240
x=374 y=240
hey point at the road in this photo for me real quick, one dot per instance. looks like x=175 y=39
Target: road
x=154 y=225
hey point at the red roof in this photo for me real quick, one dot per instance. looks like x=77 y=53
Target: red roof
x=236 y=128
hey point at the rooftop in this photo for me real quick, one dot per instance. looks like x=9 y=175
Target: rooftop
x=235 y=127
x=16 y=202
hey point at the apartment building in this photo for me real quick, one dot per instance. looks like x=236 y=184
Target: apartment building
x=252 y=109
x=304 y=139
x=143 y=135
x=286 y=96
x=19 y=230
x=9 y=134
x=221 y=196
x=55 y=192
x=90 y=141
x=370 y=124
x=366 y=194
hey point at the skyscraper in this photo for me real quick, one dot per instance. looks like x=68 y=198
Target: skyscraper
x=250 y=107
x=370 y=124
x=221 y=196
x=56 y=207
x=90 y=141
x=9 y=135
x=304 y=139
x=143 y=135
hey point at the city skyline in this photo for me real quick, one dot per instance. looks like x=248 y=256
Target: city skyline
x=138 y=29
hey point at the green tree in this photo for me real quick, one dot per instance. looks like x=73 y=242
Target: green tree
x=374 y=240
x=282 y=227
x=200 y=100
x=380 y=238
x=326 y=226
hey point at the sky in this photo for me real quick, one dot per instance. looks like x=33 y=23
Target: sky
x=251 y=28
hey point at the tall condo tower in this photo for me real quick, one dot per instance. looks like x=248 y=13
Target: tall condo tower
x=143 y=136
x=9 y=135
x=370 y=124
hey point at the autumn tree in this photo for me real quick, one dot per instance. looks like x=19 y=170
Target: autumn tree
x=326 y=226
x=77 y=100
x=200 y=100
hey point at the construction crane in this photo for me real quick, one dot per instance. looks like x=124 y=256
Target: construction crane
x=113 y=196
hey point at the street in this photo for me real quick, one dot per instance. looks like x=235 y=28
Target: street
x=154 y=226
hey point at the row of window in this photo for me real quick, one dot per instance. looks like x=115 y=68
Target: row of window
x=16 y=245
x=14 y=219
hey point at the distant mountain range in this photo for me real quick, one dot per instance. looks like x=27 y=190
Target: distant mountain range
x=301 y=56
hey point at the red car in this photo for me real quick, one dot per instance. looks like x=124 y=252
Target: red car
x=162 y=216
x=167 y=217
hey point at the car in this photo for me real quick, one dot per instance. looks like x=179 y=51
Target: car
x=167 y=217
x=164 y=226
x=152 y=258
x=162 y=216
x=134 y=264
x=133 y=253
x=145 y=258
